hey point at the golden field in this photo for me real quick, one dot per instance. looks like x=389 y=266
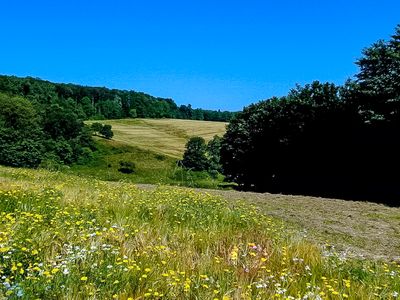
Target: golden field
x=164 y=136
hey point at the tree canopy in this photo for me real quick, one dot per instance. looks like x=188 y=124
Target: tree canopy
x=31 y=135
x=103 y=103
x=323 y=139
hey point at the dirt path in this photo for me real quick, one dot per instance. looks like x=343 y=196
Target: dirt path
x=357 y=228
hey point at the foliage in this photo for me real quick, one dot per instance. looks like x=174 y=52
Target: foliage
x=30 y=133
x=322 y=139
x=132 y=113
x=20 y=133
x=106 y=131
x=126 y=167
x=200 y=156
x=78 y=238
x=96 y=127
x=213 y=154
x=61 y=122
x=103 y=130
x=195 y=157
x=99 y=103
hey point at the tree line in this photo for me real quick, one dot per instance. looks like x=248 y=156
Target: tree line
x=103 y=103
x=322 y=139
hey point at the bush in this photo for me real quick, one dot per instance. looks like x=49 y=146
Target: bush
x=126 y=167
x=102 y=130
x=106 y=131
x=96 y=127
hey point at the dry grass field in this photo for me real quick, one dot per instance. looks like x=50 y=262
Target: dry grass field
x=164 y=136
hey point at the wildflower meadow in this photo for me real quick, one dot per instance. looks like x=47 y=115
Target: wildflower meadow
x=68 y=237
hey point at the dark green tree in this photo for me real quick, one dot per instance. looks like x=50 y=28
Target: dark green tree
x=214 y=155
x=195 y=157
x=322 y=139
x=96 y=127
x=106 y=131
x=61 y=122
x=275 y=145
x=21 y=139
x=87 y=107
x=379 y=80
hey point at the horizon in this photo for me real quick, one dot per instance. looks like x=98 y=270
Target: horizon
x=223 y=55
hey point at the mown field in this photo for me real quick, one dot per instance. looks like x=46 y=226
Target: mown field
x=164 y=136
x=71 y=237
x=355 y=228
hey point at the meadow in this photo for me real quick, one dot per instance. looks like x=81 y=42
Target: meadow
x=153 y=146
x=71 y=237
x=164 y=136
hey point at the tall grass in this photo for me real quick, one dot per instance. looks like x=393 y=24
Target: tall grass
x=66 y=237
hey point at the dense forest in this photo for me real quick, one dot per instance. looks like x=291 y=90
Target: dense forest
x=323 y=139
x=103 y=103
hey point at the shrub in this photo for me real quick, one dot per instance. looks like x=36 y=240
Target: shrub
x=126 y=167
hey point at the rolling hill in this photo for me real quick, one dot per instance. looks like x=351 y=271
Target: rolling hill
x=154 y=146
x=163 y=136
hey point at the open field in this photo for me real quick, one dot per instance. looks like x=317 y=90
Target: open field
x=69 y=237
x=164 y=136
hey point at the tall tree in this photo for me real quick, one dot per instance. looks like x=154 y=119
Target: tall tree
x=21 y=140
x=195 y=154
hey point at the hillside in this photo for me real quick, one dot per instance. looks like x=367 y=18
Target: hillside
x=153 y=146
x=163 y=136
x=69 y=237
x=89 y=102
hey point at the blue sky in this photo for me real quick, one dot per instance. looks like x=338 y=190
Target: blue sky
x=212 y=54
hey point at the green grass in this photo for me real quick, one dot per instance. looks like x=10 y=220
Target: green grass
x=150 y=167
x=163 y=136
x=71 y=237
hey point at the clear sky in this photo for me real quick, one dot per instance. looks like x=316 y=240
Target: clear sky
x=212 y=54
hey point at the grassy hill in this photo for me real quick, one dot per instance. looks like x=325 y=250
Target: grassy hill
x=154 y=146
x=71 y=237
x=163 y=136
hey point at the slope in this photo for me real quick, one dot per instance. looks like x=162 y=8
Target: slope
x=163 y=136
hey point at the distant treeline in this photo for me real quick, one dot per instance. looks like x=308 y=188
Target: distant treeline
x=103 y=103
x=322 y=139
